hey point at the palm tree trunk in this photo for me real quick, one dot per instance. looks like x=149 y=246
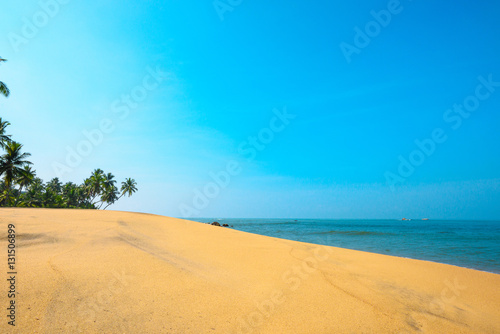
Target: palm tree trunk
x=114 y=201
x=9 y=201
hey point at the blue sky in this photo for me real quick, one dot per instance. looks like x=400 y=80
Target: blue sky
x=223 y=81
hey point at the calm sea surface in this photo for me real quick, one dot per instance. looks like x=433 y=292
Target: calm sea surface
x=471 y=244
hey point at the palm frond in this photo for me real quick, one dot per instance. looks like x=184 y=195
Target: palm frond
x=4 y=90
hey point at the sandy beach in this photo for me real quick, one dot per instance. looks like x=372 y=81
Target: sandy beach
x=88 y=271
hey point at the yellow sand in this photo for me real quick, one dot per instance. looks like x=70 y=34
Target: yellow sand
x=82 y=271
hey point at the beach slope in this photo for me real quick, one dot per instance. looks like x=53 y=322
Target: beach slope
x=87 y=271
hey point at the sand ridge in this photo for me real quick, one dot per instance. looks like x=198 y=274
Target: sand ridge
x=87 y=271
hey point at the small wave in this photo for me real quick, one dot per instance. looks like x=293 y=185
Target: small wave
x=273 y=223
x=354 y=233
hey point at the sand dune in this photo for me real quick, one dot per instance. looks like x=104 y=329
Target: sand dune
x=82 y=271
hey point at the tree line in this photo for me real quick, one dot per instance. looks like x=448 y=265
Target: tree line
x=19 y=186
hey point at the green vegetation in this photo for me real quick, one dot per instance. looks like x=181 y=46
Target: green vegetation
x=3 y=87
x=20 y=187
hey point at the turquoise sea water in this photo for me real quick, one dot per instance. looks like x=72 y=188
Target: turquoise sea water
x=471 y=244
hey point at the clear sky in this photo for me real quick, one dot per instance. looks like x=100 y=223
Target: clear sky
x=326 y=109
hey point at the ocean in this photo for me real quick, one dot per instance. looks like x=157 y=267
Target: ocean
x=470 y=244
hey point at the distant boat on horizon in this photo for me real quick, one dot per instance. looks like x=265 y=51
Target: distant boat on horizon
x=425 y=218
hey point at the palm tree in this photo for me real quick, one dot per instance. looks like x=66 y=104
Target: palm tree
x=128 y=187
x=12 y=164
x=4 y=197
x=109 y=190
x=108 y=181
x=55 y=185
x=24 y=180
x=33 y=198
x=69 y=194
x=3 y=137
x=3 y=87
x=26 y=177
x=94 y=184
x=109 y=196
x=3 y=194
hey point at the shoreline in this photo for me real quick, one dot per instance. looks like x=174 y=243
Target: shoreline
x=111 y=271
x=368 y=236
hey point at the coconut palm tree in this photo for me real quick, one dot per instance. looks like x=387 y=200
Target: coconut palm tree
x=55 y=185
x=4 y=197
x=128 y=187
x=33 y=195
x=109 y=192
x=108 y=180
x=3 y=87
x=3 y=137
x=24 y=180
x=26 y=177
x=12 y=164
x=94 y=184
x=109 y=196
